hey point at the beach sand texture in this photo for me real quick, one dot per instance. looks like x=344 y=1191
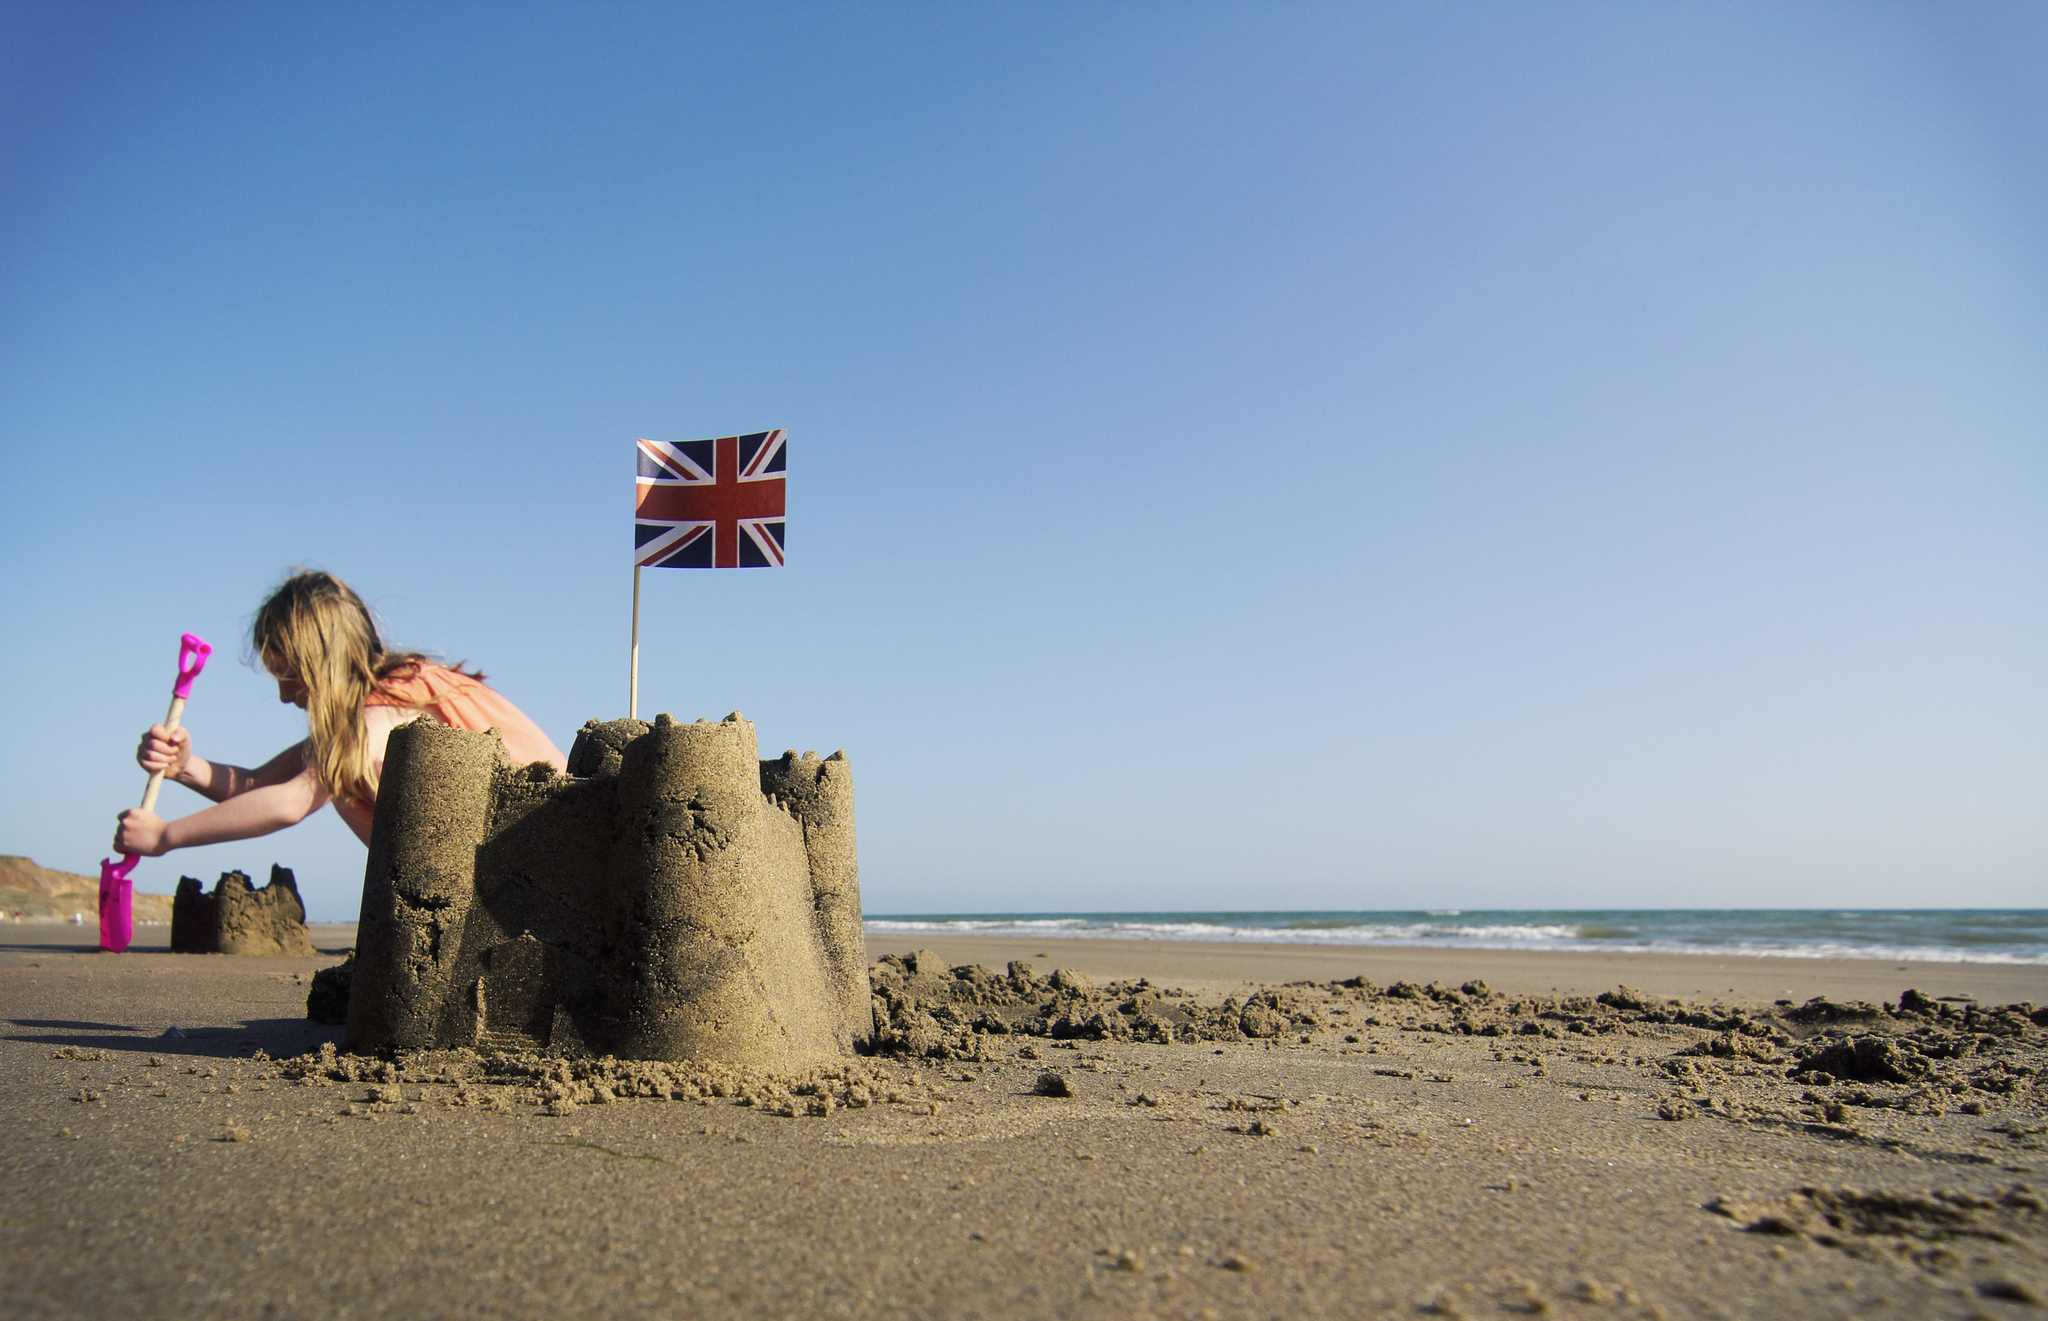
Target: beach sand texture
x=1413 y=1171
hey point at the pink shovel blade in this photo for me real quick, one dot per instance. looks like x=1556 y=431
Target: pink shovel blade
x=117 y=904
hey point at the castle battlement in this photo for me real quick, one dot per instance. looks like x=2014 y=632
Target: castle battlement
x=672 y=897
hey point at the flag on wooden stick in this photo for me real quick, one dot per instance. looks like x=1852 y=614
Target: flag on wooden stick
x=706 y=504
x=710 y=504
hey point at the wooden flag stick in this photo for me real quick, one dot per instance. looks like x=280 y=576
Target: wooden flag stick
x=633 y=698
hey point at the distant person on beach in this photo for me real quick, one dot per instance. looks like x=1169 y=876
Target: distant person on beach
x=316 y=638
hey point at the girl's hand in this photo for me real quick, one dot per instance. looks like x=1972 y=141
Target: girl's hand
x=140 y=832
x=166 y=750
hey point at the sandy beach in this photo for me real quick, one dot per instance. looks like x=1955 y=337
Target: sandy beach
x=1370 y=1159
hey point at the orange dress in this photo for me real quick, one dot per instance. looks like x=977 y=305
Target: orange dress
x=459 y=701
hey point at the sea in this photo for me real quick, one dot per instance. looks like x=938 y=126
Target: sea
x=1905 y=935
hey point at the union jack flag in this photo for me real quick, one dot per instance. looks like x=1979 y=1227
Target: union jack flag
x=710 y=504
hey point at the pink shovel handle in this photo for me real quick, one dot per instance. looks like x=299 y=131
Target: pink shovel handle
x=192 y=653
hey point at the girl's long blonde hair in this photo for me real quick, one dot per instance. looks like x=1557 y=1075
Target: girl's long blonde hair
x=315 y=629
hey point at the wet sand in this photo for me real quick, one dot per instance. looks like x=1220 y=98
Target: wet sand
x=1405 y=1173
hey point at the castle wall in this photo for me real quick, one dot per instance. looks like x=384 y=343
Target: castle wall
x=655 y=903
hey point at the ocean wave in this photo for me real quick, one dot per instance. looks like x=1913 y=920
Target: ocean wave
x=1512 y=936
x=1497 y=935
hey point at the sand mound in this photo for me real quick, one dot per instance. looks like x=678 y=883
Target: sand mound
x=327 y=999
x=239 y=918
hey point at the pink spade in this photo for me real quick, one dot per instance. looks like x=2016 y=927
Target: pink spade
x=117 y=892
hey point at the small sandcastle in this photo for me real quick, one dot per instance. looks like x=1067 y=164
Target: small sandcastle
x=240 y=918
x=673 y=897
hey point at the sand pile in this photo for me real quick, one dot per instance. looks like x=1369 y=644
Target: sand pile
x=1919 y=1055
x=1839 y=1217
x=240 y=918
x=923 y=1007
x=327 y=998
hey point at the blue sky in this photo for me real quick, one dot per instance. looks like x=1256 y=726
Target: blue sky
x=1243 y=456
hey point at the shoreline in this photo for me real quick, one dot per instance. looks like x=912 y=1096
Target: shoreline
x=1221 y=965
x=1227 y=965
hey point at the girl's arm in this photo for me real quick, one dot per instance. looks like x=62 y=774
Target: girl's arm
x=282 y=792
x=170 y=751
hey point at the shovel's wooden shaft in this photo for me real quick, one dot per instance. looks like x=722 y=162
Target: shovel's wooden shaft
x=156 y=778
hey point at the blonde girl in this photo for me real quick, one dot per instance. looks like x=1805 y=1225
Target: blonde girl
x=316 y=638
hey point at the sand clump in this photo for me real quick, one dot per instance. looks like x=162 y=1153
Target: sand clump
x=1053 y=1084
x=1916 y=1057
x=922 y=1006
x=1941 y=1231
x=1815 y=1064
x=240 y=918
x=327 y=998
x=1837 y=1216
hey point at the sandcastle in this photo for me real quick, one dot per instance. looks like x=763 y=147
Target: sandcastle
x=673 y=897
x=240 y=918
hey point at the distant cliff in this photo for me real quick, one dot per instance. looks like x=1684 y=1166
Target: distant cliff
x=43 y=894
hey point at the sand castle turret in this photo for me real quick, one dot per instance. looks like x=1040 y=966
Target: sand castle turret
x=672 y=897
